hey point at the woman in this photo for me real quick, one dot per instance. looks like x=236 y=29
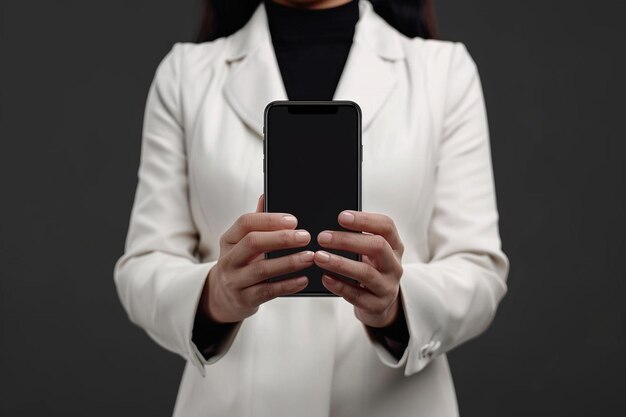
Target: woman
x=193 y=273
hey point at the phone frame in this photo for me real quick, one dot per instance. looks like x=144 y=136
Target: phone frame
x=338 y=103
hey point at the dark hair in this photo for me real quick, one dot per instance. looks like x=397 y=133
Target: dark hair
x=410 y=17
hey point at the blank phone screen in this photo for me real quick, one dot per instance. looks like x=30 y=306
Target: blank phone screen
x=313 y=171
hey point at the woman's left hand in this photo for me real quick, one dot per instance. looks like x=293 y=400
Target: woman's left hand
x=376 y=301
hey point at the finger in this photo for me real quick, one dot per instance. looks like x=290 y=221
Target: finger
x=257 y=242
x=259 y=257
x=260 y=205
x=249 y=222
x=264 y=269
x=356 y=296
x=265 y=291
x=360 y=271
x=375 y=223
x=374 y=246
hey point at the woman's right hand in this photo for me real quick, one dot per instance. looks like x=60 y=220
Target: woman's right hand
x=236 y=285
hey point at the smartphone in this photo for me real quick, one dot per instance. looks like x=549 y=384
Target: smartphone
x=312 y=169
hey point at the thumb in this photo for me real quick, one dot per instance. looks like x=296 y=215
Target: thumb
x=260 y=204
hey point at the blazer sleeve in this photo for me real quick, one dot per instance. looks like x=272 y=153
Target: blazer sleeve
x=454 y=296
x=159 y=278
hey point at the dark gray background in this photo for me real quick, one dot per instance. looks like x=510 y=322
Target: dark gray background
x=74 y=77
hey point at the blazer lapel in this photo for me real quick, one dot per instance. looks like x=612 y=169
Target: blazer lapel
x=367 y=77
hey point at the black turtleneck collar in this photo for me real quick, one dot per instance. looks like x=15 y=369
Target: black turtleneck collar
x=311 y=46
x=296 y=24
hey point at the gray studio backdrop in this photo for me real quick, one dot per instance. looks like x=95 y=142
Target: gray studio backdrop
x=74 y=77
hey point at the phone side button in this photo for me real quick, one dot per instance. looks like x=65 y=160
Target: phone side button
x=264 y=164
x=361 y=153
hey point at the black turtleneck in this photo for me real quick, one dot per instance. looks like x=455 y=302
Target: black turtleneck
x=311 y=46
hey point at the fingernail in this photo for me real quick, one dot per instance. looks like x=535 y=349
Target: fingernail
x=346 y=217
x=323 y=255
x=324 y=237
x=300 y=280
x=289 y=219
x=302 y=236
x=307 y=256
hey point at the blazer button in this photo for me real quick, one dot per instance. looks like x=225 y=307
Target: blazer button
x=436 y=345
x=433 y=347
x=428 y=350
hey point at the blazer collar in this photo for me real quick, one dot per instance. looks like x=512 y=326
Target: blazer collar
x=367 y=77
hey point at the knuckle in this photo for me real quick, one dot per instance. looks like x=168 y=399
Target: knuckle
x=243 y=221
x=252 y=240
x=388 y=226
x=399 y=270
x=378 y=243
x=336 y=262
x=267 y=292
x=368 y=272
x=285 y=237
x=282 y=287
x=225 y=262
x=259 y=269
x=274 y=221
x=339 y=239
x=358 y=294
x=293 y=262
x=354 y=296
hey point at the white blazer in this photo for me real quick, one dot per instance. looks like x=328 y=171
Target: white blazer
x=426 y=164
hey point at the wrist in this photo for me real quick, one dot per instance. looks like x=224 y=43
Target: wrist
x=386 y=319
x=395 y=329
x=206 y=304
x=392 y=314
